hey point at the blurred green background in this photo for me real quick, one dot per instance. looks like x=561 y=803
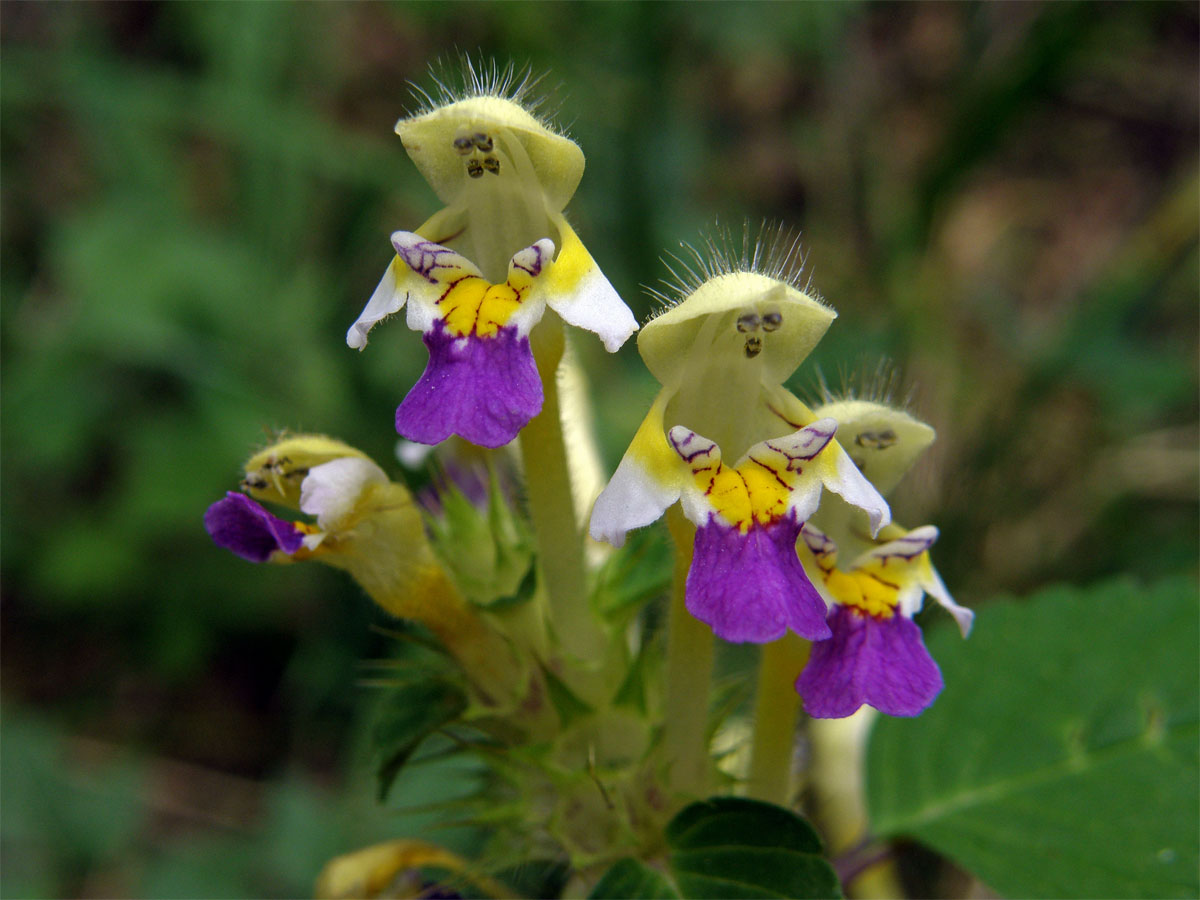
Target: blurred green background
x=1000 y=198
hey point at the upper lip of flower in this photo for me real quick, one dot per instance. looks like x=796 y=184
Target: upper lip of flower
x=434 y=141
x=483 y=138
x=753 y=313
x=884 y=442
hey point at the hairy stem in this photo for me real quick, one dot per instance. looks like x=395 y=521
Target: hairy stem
x=689 y=672
x=552 y=509
x=776 y=709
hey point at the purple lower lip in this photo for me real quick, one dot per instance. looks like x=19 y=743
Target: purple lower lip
x=484 y=389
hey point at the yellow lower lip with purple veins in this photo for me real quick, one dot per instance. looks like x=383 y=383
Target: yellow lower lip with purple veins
x=865 y=591
x=753 y=492
x=471 y=306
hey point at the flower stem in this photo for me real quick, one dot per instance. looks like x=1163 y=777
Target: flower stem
x=552 y=509
x=839 y=803
x=776 y=709
x=689 y=672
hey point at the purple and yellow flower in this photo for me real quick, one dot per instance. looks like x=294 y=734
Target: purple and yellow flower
x=481 y=381
x=361 y=521
x=876 y=654
x=722 y=354
x=478 y=275
x=369 y=526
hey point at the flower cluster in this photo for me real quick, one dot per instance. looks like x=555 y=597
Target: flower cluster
x=739 y=326
x=781 y=526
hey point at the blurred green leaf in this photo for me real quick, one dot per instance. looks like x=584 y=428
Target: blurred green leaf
x=411 y=711
x=215 y=867
x=81 y=813
x=632 y=692
x=730 y=847
x=1000 y=94
x=536 y=877
x=632 y=878
x=634 y=574
x=566 y=702
x=1061 y=760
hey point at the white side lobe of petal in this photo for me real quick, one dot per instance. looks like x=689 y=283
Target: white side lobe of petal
x=907 y=547
x=818 y=555
x=331 y=490
x=632 y=499
x=819 y=545
x=933 y=584
x=703 y=458
x=848 y=482
x=424 y=270
x=387 y=299
x=583 y=297
x=528 y=270
x=791 y=457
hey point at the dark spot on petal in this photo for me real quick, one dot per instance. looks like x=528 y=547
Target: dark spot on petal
x=747 y=322
x=876 y=440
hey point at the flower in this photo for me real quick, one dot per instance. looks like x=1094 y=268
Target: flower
x=481 y=271
x=481 y=382
x=876 y=654
x=746 y=580
x=722 y=354
x=364 y=523
x=368 y=526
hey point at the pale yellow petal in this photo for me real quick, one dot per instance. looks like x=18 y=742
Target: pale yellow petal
x=667 y=341
x=429 y=139
x=883 y=442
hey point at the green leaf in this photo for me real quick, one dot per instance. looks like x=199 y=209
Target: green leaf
x=634 y=575
x=730 y=847
x=728 y=821
x=536 y=877
x=488 y=551
x=411 y=711
x=632 y=878
x=566 y=702
x=524 y=592
x=1061 y=759
x=632 y=692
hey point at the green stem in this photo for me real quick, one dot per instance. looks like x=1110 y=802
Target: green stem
x=689 y=672
x=838 y=798
x=552 y=509
x=776 y=710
